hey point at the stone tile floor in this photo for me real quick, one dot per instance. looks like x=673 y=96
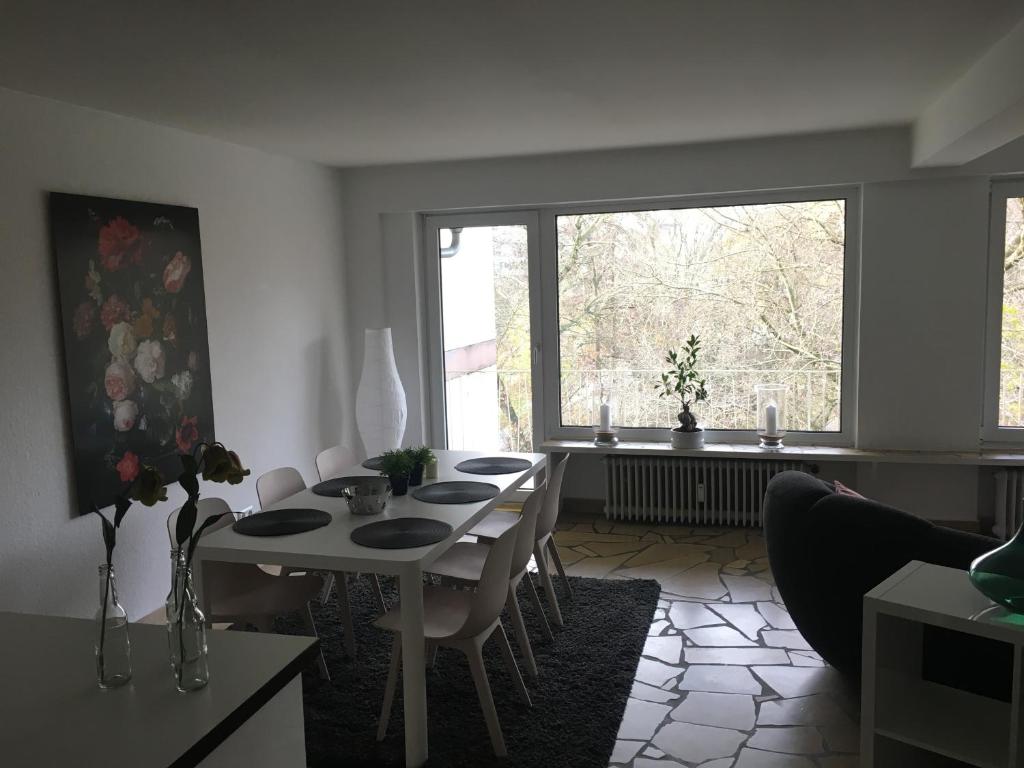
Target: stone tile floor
x=725 y=680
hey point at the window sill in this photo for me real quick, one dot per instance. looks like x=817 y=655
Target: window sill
x=794 y=453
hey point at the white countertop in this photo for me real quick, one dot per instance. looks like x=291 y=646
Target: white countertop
x=53 y=714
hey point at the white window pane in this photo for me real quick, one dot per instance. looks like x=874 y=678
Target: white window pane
x=1011 y=370
x=761 y=284
x=485 y=309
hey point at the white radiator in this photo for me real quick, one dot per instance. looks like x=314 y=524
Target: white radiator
x=1009 y=502
x=698 y=491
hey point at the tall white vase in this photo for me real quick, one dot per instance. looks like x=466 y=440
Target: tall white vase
x=380 y=398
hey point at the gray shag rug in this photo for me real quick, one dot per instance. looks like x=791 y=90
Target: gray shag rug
x=586 y=675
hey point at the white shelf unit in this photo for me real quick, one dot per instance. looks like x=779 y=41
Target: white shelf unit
x=909 y=721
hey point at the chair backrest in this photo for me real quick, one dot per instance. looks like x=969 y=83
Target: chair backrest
x=527 y=530
x=331 y=462
x=492 y=589
x=204 y=508
x=552 y=500
x=278 y=484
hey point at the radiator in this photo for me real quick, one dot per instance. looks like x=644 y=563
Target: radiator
x=697 y=491
x=1009 y=502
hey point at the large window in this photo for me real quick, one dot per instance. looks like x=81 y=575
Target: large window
x=760 y=280
x=1007 y=312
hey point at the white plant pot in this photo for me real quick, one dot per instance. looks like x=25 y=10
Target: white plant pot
x=687 y=440
x=380 y=398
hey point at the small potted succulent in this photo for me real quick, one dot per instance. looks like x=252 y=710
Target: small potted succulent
x=683 y=382
x=421 y=457
x=396 y=466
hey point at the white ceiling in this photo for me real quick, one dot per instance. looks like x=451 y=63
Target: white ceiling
x=380 y=81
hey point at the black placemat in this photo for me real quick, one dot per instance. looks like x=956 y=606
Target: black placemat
x=281 y=522
x=493 y=465
x=336 y=485
x=456 y=492
x=401 y=533
x=375 y=463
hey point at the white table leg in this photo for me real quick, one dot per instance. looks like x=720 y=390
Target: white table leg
x=414 y=680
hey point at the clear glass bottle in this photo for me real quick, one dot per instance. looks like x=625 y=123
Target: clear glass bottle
x=186 y=630
x=113 y=648
x=171 y=605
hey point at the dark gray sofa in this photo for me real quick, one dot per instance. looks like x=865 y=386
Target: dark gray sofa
x=826 y=550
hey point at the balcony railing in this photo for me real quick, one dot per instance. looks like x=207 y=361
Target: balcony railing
x=812 y=401
x=812 y=404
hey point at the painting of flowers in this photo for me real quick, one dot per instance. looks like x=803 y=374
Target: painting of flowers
x=130 y=277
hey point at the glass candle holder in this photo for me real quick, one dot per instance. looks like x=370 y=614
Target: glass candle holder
x=771 y=414
x=604 y=432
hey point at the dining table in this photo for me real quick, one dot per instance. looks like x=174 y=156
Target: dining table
x=331 y=548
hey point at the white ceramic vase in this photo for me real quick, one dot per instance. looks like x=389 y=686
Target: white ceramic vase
x=380 y=398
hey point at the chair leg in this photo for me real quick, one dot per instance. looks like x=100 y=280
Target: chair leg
x=513 y=668
x=307 y=619
x=549 y=589
x=390 y=686
x=522 y=638
x=431 y=654
x=483 y=692
x=378 y=594
x=531 y=592
x=561 y=570
x=346 y=615
x=325 y=593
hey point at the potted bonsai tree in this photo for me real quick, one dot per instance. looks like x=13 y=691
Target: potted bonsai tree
x=683 y=382
x=396 y=465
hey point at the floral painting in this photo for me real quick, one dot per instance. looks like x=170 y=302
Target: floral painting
x=130 y=277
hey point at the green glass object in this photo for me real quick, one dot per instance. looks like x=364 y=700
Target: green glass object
x=999 y=574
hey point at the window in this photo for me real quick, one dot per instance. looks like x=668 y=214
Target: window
x=1005 y=405
x=759 y=278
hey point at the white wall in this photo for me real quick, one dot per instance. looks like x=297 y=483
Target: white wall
x=273 y=262
x=923 y=263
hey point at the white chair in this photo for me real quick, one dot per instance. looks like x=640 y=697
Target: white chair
x=243 y=592
x=495 y=523
x=331 y=462
x=464 y=620
x=464 y=561
x=279 y=484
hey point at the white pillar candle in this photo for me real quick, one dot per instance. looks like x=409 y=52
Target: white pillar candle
x=771 y=419
x=606 y=417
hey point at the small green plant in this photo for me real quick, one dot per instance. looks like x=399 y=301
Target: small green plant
x=421 y=455
x=396 y=463
x=683 y=382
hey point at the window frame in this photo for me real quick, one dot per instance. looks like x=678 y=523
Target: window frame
x=992 y=432
x=551 y=346
x=431 y=225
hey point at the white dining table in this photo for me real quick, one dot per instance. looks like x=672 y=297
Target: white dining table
x=331 y=548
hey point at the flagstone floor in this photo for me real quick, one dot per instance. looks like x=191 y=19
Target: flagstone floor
x=725 y=680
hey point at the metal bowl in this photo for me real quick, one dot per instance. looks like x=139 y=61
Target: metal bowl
x=367 y=495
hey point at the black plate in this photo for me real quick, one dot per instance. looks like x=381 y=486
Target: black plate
x=401 y=533
x=376 y=463
x=281 y=522
x=456 y=492
x=493 y=465
x=336 y=485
